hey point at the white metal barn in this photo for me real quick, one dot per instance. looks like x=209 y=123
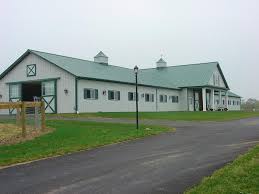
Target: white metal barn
x=68 y=85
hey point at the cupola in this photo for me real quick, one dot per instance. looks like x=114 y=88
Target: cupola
x=101 y=58
x=161 y=63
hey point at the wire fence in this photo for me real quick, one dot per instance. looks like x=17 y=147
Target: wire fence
x=24 y=115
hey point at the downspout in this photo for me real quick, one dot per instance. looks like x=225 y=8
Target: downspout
x=188 y=106
x=76 y=95
x=156 y=100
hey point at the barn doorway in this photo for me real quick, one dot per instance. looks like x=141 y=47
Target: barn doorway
x=31 y=90
x=46 y=90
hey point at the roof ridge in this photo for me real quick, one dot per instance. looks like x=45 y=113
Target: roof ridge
x=76 y=58
x=183 y=65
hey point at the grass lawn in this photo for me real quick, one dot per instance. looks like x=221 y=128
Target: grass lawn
x=188 y=116
x=241 y=176
x=71 y=136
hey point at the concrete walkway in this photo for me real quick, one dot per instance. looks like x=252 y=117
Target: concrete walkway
x=166 y=163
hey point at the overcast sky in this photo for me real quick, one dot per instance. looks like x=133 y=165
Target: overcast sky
x=137 y=32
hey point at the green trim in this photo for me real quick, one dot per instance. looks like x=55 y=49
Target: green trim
x=36 y=80
x=76 y=94
x=14 y=64
x=31 y=51
x=113 y=81
x=56 y=97
x=22 y=57
x=15 y=98
x=223 y=77
x=31 y=70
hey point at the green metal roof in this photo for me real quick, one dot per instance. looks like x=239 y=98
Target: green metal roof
x=174 y=77
x=182 y=75
x=231 y=94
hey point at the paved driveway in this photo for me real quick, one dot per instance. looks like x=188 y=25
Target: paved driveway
x=167 y=163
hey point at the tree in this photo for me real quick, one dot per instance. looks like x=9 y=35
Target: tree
x=250 y=105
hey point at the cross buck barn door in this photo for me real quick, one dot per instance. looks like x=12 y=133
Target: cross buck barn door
x=49 y=95
x=15 y=94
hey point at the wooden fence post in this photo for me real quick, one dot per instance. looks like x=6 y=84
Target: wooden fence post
x=43 y=117
x=18 y=116
x=23 y=119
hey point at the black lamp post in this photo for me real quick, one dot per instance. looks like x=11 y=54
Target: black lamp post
x=136 y=78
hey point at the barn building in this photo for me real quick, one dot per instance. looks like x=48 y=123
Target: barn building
x=70 y=85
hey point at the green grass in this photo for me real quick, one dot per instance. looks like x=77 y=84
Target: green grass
x=71 y=136
x=241 y=177
x=188 y=116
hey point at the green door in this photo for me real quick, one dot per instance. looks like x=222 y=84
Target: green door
x=49 y=95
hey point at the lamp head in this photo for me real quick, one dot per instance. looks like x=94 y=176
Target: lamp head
x=136 y=69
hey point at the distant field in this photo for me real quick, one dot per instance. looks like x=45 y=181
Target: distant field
x=241 y=176
x=187 y=116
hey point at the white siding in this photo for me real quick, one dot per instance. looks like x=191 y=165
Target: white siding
x=169 y=105
x=231 y=107
x=221 y=82
x=66 y=103
x=234 y=107
x=45 y=70
x=123 y=105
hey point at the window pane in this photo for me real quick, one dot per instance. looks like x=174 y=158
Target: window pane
x=15 y=91
x=146 y=97
x=161 y=98
x=131 y=96
x=85 y=96
x=96 y=94
x=110 y=95
x=88 y=93
x=117 y=97
x=48 y=88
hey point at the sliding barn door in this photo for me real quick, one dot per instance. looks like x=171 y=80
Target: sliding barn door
x=15 y=95
x=49 y=95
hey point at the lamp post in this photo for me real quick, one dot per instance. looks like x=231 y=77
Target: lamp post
x=136 y=79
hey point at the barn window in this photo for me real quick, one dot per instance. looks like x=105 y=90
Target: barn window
x=90 y=93
x=163 y=98
x=132 y=96
x=15 y=91
x=113 y=95
x=48 y=88
x=175 y=99
x=149 y=97
x=31 y=70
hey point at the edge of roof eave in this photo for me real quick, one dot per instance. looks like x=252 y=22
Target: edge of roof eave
x=131 y=83
x=25 y=54
x=200 y=86
x=221 y=72
x=31 y=51
x=5 y=72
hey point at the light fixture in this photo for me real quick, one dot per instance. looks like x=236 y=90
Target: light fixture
x=136 y=69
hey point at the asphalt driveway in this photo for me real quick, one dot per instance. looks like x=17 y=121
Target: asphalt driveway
x=167 y=163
